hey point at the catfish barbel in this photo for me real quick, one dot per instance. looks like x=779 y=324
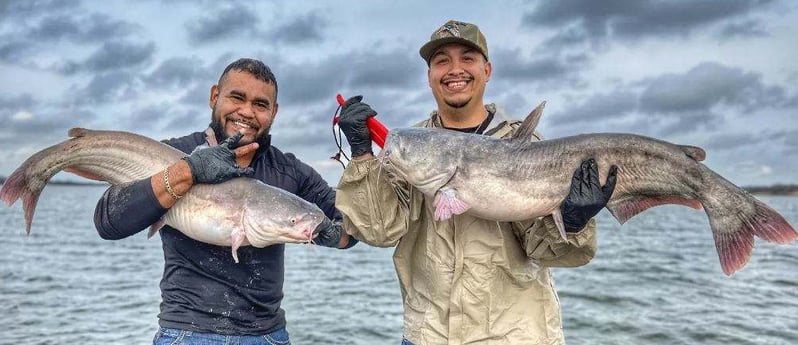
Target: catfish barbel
x=238 y=212
x=519 y=179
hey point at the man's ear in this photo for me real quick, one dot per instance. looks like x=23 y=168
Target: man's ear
x=488 y=70
x=274 y=114
x=214 y=96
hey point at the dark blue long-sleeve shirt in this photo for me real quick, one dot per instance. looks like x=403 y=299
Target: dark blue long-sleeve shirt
x=202 y=288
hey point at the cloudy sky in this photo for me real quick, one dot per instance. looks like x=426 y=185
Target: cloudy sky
x=720 y=74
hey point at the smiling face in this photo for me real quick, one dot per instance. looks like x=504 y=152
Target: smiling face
x=243 y=103
x=457 y=76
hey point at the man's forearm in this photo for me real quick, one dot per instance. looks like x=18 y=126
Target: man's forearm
x=179 y=179
x=126 y=209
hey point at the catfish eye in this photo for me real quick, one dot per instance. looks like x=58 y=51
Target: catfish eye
x=292 y=220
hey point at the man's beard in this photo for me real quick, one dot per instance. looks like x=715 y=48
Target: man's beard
x=262 y=139
x=457 y=105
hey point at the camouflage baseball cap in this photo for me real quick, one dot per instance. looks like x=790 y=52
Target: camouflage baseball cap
x=455 y=32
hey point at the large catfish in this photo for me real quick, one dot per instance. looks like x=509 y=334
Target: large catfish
x=239 y=212
x=516 y=179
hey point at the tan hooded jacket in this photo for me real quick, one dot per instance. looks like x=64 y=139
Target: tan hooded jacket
x=464 y=280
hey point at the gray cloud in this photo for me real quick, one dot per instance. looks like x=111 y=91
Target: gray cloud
x=728 y=141
x=12 y=104
x=119 y=55
x=706 y=85
x=233 y=21
x=14 y=51
x=676 y=103
x=389 y=70
x=509 y=66
x=198 y=94
x=790 y=139
x=33 y=24
x=304 y=29
x=145 y=118
x=747 y=28
x=111 y=56
x=600 y=107
x=626 y=20
x=179 y=72
x=42 y=125
x=165 y=116
x=375 y=72
x=106 y=88
x=93 y=28
x=186 y=119
x=22 y=10
x=686 y=122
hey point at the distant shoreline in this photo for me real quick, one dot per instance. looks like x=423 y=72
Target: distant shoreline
x=776 y=189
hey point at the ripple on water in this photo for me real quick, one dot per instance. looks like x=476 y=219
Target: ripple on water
x=655 y=280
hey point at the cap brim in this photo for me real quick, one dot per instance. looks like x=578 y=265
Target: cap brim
x=428 y=49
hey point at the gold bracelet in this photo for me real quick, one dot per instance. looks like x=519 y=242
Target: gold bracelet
x=169 y=186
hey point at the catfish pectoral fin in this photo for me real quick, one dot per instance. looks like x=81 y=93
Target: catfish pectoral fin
x=237 y=238
x=155 y=227
x=448 y=203
x=557 y=215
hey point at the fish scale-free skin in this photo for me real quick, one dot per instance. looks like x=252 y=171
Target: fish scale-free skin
x=208 y=213
x=518 y=179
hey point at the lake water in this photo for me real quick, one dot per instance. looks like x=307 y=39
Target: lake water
x=655 y=280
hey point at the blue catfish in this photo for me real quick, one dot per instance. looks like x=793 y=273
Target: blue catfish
x=239 y=212
x=518 y=179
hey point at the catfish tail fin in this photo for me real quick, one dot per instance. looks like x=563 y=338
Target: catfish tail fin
x=19 y=186
x=736 y=217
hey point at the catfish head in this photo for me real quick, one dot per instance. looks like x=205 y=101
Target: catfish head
x=423 y=157
x=279 y=217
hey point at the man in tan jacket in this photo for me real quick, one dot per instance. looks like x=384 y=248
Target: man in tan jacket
x=466 y=280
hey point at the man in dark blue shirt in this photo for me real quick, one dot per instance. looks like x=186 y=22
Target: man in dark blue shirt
x=207 y=297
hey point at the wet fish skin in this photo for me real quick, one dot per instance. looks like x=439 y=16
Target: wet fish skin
x=520 y=179
x=241 y=211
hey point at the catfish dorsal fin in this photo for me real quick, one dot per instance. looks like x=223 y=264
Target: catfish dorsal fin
x=527 y=129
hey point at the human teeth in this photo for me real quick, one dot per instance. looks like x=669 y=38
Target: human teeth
x=456 y=84
x=241 y=124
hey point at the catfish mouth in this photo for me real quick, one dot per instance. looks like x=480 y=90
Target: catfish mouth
x=306 y=229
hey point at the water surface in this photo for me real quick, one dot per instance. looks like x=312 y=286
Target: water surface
x=654 y=280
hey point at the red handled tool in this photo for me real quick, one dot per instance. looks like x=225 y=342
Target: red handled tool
x=377 y=130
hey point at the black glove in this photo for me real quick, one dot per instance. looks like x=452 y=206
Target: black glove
x=329 y=234
x=587 y=196
x=217 y=164
x=352 y=122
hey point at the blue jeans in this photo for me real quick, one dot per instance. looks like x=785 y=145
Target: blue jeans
x=173 y=336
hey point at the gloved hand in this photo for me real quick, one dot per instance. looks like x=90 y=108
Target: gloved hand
x=329 y=233
x=587 y=196
x=352 y=122
x=217 y=164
